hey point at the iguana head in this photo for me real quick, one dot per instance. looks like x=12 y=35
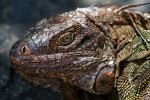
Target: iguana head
x=69 y=47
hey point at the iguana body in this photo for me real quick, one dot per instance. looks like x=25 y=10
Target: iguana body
x=134 y=81
x=89 y=54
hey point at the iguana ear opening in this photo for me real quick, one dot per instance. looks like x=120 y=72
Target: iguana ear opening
x=100 y=80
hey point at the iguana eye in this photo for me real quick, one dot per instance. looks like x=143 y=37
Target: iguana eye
x=66 y=38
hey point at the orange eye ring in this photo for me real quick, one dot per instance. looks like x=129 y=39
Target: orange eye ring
x=25 y=50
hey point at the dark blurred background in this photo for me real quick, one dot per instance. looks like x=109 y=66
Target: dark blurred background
x=16 y=16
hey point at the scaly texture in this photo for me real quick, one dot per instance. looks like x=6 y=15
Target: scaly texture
x=94 y=53
x=134 y=83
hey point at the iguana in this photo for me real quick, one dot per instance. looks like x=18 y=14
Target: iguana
x=101 y=52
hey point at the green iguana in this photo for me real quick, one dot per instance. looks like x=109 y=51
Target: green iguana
x=101 y=52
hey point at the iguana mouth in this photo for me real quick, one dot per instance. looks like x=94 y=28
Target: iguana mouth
x=59 y=57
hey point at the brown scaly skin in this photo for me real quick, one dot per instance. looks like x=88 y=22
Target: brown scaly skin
x=94 y=53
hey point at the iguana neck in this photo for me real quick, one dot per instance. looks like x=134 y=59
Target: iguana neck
x=134 y=60
x=128 y=44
